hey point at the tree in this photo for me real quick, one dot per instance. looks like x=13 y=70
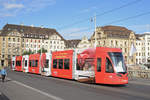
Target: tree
x=28 y=52
x=43 y=50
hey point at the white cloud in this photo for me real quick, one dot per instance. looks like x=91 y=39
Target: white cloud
x=12 y=6
x=35 y=5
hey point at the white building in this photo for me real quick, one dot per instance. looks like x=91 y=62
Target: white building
x=143 y=48
x=16 y=39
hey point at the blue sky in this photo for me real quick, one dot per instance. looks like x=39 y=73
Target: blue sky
x=63 y=14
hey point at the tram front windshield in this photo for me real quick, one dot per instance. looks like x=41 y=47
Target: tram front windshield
x=118 y=62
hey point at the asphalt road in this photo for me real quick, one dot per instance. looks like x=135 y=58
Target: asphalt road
x=25 y=86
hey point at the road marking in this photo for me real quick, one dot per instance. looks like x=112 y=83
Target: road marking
x=113 y=89
x=39 y=91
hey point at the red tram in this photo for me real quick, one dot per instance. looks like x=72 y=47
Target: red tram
x=100 y=65
x=18 y=66
x=34 y=63
x=62 y=64
x=109 y=66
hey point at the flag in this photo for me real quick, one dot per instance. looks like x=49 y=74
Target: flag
x=132 y=50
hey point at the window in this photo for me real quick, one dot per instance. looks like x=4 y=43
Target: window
x=116 y=43
x=66 y=63
x=77 y=65
x=13 y=39
x=104 y=42
x=125 y=43
x=25 y=63
x=9 y=57
x=125 y=50
x=30 y=63
x=9 y=39
x=85 y=64
x=60 y=61
x=13 y=63
x=36 y=63
x=33 y=63
x=18 y=39
x=3 y=39
x=2 y=62
x=55 y=63
x=47 y=63
x=111 y=42
x=18 y=63
x=109 y=67
x=98 y=64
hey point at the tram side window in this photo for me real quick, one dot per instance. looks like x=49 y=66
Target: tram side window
x=36 y=63
x=77 y=65
x=66 y=63
x=26 y=63
x=85 y=64
x=98 y=64
x=60 y=61
x=47 y=63
x=13 y=63
x=109 y=67
x=55 y=63
x=18 y=63
x=30 y=63
x=33 y=63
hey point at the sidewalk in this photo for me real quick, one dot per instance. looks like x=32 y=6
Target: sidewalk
x=139 y=81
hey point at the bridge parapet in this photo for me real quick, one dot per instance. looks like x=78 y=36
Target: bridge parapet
x=139 y=74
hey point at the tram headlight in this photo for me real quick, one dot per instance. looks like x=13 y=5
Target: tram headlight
x=119 y=75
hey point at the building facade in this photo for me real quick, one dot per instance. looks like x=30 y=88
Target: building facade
x=16 y=39
x=143 y=48
x=116 y=37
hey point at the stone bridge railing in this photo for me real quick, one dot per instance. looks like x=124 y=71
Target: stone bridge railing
x=139 y=74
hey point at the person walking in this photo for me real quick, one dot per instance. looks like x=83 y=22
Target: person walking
x=3 y=73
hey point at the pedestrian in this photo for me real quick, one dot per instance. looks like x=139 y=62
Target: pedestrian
x=3 y=73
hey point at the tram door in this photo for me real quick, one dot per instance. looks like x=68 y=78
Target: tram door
x=46 y=64
x=13 y=64
x=109 y=71
x=25 y=63
x=99 y=69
